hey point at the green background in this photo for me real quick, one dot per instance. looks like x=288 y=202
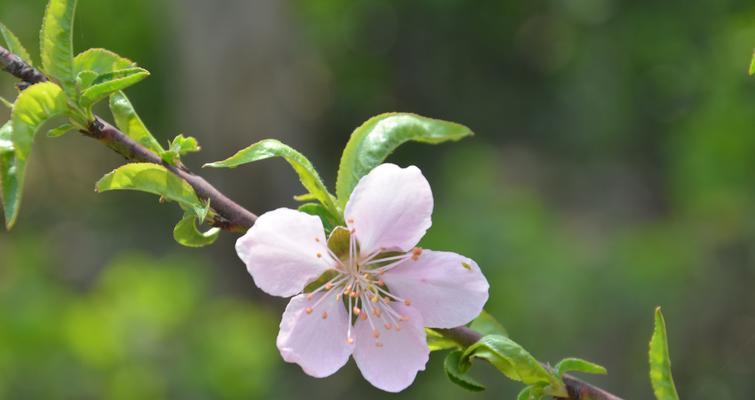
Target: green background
x=612 y=171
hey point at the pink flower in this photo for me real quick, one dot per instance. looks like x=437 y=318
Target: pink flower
x=379 y=297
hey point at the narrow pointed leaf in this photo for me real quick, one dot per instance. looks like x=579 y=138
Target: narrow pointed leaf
x=100 y=61
x=128 y=121
x=152 y=178
x=451 y=366
x=579 y=365
x=34 y=107
x=14 y=45
x=112 y=82
x=273 y=148
x=10 y=188
x=56 y=42
x=188 y=234
x=436 y=341
x=752 y=64
x=485 y=324
x=660 y=362
x=513 y=361
x=372 y=142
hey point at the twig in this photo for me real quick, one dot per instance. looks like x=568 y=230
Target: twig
x=233 y=217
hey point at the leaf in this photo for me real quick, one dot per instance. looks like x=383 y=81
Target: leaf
x=451 y=366
x=752 y=64
x=436 y=341
x=372 y=142
x=100 y=61
x=56 y=42
x=318 y=210
x=513 y=361
x=531 y=393
x=84 y=79
x=273 y=148
x=14 y=45
x=179 y=147
x=128 y=121
x=485 y=324
x=109 y=83
x=187 y=233
x=155 y=179
x=579 y=365
x=34 y=107
x=660 y=363
x=60 y=131
x=10 y=187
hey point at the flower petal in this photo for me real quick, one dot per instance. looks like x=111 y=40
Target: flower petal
x=448 y=289
x=315 y=340
x=392 y=365
x=284 y=250
x=390 y=207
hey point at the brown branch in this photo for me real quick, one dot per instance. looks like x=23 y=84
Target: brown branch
x=231 y=216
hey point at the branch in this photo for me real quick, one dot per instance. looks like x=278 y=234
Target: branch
x=232 y=217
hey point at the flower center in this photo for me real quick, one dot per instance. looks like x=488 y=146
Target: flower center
x=359 y=285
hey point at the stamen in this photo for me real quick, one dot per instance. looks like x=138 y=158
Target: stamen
x=308 y=310
x=387 y=325
x=319 y=255
x=408 y=302
x=375 y=333
x=416 y=252
x=324 y=315
x=350 y=340
x=357 y=310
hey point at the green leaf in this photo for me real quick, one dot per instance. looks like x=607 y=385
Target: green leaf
x=531 y=393
x=660 y=363
x=14 y=45
x=436 y=341
x=111 y=82
x=273 y=148
x=513 y=361
x=128 y=121
x=318 y=210
x=752 y=64
x=10 y=186
x=485 y=324
x=579 y=365
x=60 y=131
x=179 y=147
x=187 y=233
x=372 y=142
x=100 y=61
x=84 y=79
x=34 y=107
x=155 y=179
x=451 y=366
x=56 y=42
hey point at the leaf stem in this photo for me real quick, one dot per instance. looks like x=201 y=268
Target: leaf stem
x=230 y=215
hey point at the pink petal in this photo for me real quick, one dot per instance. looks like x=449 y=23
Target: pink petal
x=284 y=250
x=393 y=366
x=317 y=340
x=448 y=289
x=390 y=207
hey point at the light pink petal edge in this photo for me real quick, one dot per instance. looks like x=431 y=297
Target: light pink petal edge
x=390 y=208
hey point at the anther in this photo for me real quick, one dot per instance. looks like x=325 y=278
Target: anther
x=328 y=286
x=351 y=220
x=377 y=312
x=374 y=299
x=404 y=318
x=338 y=297
x=317 y=240
x=308 y=310
x=381 y=283
x=408 y=302
x=324 y=315
x=363 y=316
x=310 y=295
x=378 y=344
x=416 y=252
x=353 y=294
x=350 y=340
x=387 y=325
x=375 y=333
x=319 y=254
x=356 y=310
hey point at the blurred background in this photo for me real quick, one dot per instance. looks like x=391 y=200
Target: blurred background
x=612 y=171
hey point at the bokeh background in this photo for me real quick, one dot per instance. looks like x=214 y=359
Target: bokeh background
x=612 y=171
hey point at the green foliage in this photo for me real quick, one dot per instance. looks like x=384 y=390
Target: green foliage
x=374 y=140
x=59 y=131
x=56 y=42
x=34 y=107
x=179 y=147
x=578 y=365
x=514 y=362
x=188 y=234
x=128 y=121
x=100 y=61
x=308 y=176
x=660 y=363
x=111 y=82
x=485 y=324
x=155 y=179
x=436 y=341
x=451 y=366
x=752 y=64
x=14 y=45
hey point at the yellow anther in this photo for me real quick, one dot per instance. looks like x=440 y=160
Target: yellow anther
x=366 y=276
x=416 y=252
x=408 y=302
x=377 y=312
x=374 y=299
x=356 y=310
x=308 y=310
x=363 y=316
x=319 y=254
x=350 y=340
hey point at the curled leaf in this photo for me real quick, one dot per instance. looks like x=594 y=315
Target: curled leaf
x=579 y=365
x=188 y=234
x=451 y=366
x=106 y=84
